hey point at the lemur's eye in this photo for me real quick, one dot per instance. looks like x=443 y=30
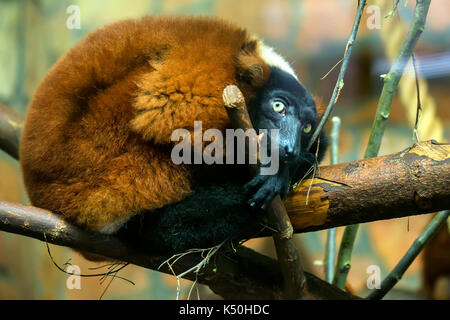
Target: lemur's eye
x=307 y=128
x=278 y=106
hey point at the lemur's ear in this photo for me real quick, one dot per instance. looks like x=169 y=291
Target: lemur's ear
x=250 y=68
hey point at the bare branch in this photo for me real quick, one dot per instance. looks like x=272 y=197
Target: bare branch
x=411 y=182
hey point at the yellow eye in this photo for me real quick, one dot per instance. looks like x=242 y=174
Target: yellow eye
x=278 y=106
x=307 y=128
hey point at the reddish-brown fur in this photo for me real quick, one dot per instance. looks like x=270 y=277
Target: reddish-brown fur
x=95 y=146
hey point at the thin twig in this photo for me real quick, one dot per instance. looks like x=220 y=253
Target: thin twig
x=114 y=274
x=104 y=274
x=311 y=169
x=397 y=273
x=332 y=68
x=194 y=284
x=312 y=180
x=330 y=250
x=394 y=9
x=340 y=81
x=419 y=104
x=316 y=167
x=202 y=263
x=344 y=256
x=196 y=268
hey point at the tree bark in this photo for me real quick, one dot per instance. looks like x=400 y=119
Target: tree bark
x=411 y=182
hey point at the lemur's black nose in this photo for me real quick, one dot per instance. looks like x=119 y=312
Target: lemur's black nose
x=289 y=151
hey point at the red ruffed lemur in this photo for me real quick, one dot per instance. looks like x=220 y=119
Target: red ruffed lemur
x=96 y=145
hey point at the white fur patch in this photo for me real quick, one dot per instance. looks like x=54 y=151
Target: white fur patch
x=274 y=59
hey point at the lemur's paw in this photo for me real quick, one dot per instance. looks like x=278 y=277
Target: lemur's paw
x=264 y=188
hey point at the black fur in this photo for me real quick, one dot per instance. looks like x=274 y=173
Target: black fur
x=215 y=211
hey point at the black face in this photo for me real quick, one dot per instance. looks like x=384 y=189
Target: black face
x=284 y=104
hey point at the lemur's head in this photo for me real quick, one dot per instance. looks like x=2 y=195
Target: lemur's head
x=280 y=102
x=283 y=103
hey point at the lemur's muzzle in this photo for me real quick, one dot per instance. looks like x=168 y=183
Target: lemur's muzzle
x=290 y=138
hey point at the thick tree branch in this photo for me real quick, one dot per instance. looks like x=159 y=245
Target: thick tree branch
x=411 y=182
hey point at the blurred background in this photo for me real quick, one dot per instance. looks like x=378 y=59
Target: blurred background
x=311 y=34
